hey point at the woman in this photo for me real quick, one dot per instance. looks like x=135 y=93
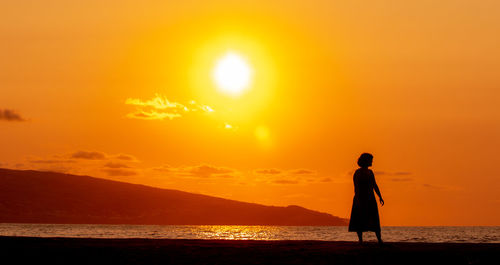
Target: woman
x=364 y=213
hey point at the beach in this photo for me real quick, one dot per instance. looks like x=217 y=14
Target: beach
x=33 y=250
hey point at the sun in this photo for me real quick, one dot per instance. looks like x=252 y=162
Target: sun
x=232 y=74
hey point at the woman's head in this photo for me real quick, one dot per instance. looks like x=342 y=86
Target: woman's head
x=365 y=160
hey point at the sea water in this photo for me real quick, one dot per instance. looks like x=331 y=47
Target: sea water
x=468 y=234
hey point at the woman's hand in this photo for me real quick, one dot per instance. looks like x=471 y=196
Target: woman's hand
x=381 y=202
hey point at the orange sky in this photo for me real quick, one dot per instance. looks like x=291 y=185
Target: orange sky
x=416 y=83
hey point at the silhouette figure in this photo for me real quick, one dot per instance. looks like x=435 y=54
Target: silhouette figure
x=364 y=213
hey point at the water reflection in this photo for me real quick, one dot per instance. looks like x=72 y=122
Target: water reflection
x=236 y=232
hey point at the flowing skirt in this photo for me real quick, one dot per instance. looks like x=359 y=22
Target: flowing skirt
x=364 y=215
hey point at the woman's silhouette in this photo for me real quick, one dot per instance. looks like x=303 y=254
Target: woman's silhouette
x=364 y=213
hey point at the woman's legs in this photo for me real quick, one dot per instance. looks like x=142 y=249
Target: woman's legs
x=379 y=237
x=360 y=236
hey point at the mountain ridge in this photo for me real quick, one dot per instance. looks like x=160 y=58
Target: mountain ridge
x=29 y=196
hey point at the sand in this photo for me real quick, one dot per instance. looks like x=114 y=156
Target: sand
x=23 y=250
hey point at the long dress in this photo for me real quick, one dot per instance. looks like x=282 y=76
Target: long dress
x=364 y=213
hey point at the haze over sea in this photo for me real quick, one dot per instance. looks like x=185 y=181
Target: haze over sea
x=458 y=234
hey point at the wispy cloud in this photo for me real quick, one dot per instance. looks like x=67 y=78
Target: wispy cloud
x=94 y=163
x=152 y=115
x=127 y=168
x=117 y=172
x=10 y=115
x=51 y=161
x=397 y=173
x=93 y=155
x=126 y=157
x=401 y=179
x=116 y=165
x=268 y=171
x=291 y=176
x=285 y=181
x=397 y=176
x=302 y=171
x=199 y=171
x=262 y=175
x=158 y=102
x=441 y=187
x=230 y=127
x=160 y=108
x=208 y=171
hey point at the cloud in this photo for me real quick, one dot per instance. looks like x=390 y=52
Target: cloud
x=302 y=171
x=266 y=175
x=160 y=108
x=55 y=168
x=401 y=179
x=125 y=157
x=158 y=102
x=230 y=127
x=165 y=169
x=115 y=172
x=206 y=171
x=442 y=187
x=285 y=181
x=398 y=176
x=397 y=173
x=93 y=163
x=10 y=115
x=275 y=171
x=432 y=186
x=88 y=155
x=52 y=164
x=270 y=171
x=51 y=161
x=291 y=176
x=116 y=165
x=152 y=115
x=225 y=176
x=402 y=173
x=124 y=166
x=199 y=171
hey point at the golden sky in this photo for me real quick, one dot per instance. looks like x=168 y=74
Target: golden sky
x=125 y=90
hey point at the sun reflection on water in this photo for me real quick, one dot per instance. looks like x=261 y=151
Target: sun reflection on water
x=237 y=232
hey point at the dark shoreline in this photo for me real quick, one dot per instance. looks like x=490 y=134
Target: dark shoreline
x=31 y=250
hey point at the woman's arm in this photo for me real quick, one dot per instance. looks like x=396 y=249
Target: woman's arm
x=355 y=181
x=377 y=190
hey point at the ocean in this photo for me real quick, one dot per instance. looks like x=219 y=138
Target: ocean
x=460 y=234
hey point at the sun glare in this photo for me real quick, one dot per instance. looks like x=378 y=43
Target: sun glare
x=232 y=74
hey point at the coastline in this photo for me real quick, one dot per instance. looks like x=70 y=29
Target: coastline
x=24 y=250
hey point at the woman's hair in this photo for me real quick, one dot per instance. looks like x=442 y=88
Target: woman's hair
x=365 y=160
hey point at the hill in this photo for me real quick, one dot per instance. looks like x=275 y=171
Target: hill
x=28 y=196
